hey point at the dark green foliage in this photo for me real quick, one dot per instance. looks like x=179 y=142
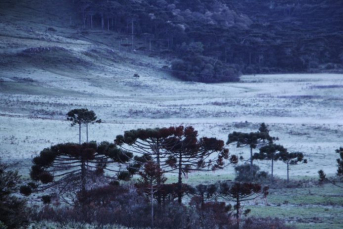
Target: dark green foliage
x=25 y=190
x=263 y=128
x=174 y=148
x=64 y=165
x=239 y=192
x=243 y=174
x=322 y=176
x=340 y=162
x=187 y=153
x=80 y=116
x=124 y=175
x=13 y=210
x=209 y=37
x=251 y=139
x=195 y=67
x=46 y=199
x=271 y=152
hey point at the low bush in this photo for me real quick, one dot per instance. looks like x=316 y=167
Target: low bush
x=243 y=174
x=264 y=223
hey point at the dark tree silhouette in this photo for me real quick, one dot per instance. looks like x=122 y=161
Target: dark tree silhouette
x=291 y=159
x=176 y=147
x=68 y=167
x=188 y=153
x=241 y=192
x=82 y=116
x=250 y=139
x=271 y=152
x=322 y=175
x=13 y=210
x=340 y=162
x=148 y=181
x=148 y=143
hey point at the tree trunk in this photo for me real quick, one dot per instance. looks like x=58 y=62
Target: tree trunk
x=91 y=21
x=84 y=20
x=180 y=179
x=80 y=133
x=287 y=171
x=83 y=187
x=102 y=22
x=87 y=132
x=272 y=168
x=132 y=35
x=237 y=209
x=159 y=200
x=152 y=205
x=251 y=164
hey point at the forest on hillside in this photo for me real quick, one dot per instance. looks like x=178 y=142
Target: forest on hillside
x=217 y=40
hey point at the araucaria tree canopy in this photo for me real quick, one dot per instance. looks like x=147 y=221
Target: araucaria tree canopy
x=68 y=166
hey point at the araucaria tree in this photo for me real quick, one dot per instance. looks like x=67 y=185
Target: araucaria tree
x=271 y=152
x=147 y=145
x=322 y=175
x=340 y=162
x=252 y=140
x=82 y=116
x=68 y=167
x=147 y=183
x=240 y=192
x=176 y=147
x=188 y=153
x=291 y=159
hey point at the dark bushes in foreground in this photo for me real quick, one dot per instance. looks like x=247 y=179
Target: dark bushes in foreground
x=264 y=223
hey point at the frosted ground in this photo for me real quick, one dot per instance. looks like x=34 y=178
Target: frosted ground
x=304 y=110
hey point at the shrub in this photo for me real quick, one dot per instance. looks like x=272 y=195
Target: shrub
x=243 y=174
x=263 y=223
x=196 y=67
x=13 y=210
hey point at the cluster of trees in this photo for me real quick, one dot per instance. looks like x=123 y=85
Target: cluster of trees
x=90 y=177
x=268 y=150
x=87 y=175
x=215 y=40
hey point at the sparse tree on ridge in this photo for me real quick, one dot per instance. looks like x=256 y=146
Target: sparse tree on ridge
x=82 y=116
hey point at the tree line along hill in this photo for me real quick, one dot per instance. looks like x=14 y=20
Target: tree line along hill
x=217 y=40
